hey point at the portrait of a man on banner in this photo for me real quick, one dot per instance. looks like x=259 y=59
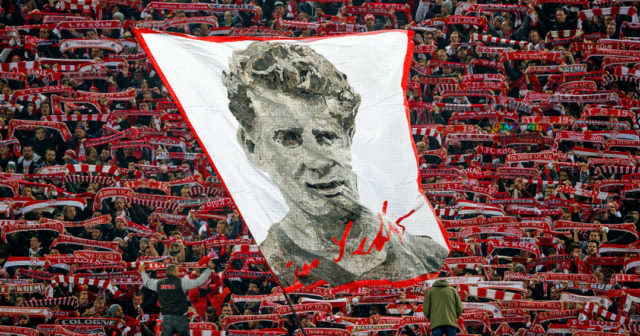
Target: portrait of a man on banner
x=297 y=114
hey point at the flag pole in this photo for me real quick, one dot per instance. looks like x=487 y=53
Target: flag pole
x=295 y=315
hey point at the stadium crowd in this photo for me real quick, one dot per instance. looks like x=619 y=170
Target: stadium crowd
x=524 y=117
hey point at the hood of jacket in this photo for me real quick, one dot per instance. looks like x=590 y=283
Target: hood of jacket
x=441 y=283
x=36 y=157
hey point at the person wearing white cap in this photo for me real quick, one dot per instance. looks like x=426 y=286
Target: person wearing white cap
x=370 y=22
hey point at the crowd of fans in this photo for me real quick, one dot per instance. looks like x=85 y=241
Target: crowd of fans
x=524 y=117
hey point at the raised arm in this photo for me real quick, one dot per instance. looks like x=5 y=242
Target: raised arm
x=188 y=284
x=152 y=284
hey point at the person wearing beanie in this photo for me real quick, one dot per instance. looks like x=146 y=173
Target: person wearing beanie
x=118 y=16
x=79 y=137
x=7 y=156
x=114 y=310
x=11 y=167
x=118 y=230
x=70 y=156
x=370 y=22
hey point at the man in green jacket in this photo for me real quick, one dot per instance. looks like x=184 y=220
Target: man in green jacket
x=442 y=307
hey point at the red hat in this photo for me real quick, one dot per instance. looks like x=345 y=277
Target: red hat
x=71 y=153
x=369 y=17
x=93 y=88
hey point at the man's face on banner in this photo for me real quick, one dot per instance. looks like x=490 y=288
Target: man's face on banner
x=305 y=150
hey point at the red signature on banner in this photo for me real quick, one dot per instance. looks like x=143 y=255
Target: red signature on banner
x=380 y=240
x=306 y=269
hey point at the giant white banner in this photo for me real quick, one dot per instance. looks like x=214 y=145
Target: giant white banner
x=312 y=140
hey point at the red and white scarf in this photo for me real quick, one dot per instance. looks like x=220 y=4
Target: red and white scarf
x=23 y=226
x=86 y=24
x=21 y=288
x=123 y=95
x=601 y=12
x=596 y=309
x=72 y=280
x=80 y=5
x=52 y=203
x=155 y=201
x=491 y=294
x=148 y=184
x=495 y=244
x=31 y=125
x=498 y=40
x=9 y=330
x=466 y=20
x=77 y=117
x=258 y=31
x=59 y=301
x=107 y=44
x=179 y=22
x=564 y=225
x=66 y=239
x=31 y=312
x=18 y=66
x=532 y=56
x=232 y=319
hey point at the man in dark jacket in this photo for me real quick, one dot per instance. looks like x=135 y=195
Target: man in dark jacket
x=42 y=140
x=442 y=307
x=29 y=162
x=173 y=299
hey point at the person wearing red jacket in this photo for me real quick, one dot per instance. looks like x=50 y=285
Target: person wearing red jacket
x=211 y=293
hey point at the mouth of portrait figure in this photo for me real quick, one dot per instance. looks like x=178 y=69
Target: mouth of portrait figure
x=329 y=189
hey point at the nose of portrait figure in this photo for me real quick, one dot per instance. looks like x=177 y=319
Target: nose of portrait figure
x=318 y=165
